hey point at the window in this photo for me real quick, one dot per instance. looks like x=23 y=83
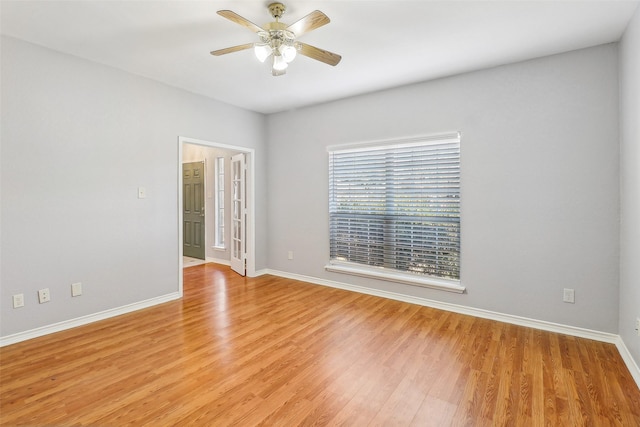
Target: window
x=219 y=203
x=394 y=210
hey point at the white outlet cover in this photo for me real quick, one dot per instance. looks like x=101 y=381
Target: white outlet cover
x=76 y=289
x=44 y=295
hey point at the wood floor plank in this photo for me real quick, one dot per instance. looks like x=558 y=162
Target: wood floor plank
x=274 y=351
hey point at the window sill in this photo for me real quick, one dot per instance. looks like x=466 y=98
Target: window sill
x=407 y=279
x=219 y=248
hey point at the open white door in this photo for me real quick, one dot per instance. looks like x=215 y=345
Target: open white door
x=238 y=218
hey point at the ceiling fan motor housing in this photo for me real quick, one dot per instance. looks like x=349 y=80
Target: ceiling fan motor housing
x=277 y=10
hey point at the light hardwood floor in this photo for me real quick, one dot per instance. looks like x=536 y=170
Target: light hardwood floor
x=273 y=351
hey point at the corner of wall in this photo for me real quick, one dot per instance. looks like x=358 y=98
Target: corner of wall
x=629 y=302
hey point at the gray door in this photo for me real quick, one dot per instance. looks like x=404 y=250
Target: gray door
x=193 y=210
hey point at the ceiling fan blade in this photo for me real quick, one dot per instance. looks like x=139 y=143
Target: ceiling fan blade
x=315 y=19
x=232 y=49
x=319 y=54
x=232 y=16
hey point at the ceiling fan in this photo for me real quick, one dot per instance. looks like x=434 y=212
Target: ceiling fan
x=279 y=40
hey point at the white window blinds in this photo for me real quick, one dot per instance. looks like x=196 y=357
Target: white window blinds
x=396 y=206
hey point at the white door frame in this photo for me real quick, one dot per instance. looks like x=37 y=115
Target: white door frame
x=250 y=198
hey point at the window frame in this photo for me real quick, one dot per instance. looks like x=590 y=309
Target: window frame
x=384 y=271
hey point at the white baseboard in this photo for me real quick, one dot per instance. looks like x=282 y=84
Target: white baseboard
x=628 y=360
x=218 y=261
x=84 y=320
x=262 y=272
x=485 y=314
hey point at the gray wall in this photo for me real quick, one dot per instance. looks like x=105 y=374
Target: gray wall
x=78 y=139
x=630 y=185
x=539 y=182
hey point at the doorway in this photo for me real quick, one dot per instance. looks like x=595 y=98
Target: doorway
x=248 y=236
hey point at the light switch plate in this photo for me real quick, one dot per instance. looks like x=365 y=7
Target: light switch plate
x=18 y=300
x=142 y=193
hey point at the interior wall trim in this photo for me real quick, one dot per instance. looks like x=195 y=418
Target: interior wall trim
x=85 y=320
x=477 y=312
x=628 y=360
x=218 y=261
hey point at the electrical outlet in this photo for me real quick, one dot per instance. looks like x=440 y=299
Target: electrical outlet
x=18 y=300
x=638 y=326
x=569 y=296
x=44 y=295
x=76 y=289
x=290 y=255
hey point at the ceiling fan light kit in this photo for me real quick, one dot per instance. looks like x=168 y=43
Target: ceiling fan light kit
x=279 y=40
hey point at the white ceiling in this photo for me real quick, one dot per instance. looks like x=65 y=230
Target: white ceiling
x=383 y=43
